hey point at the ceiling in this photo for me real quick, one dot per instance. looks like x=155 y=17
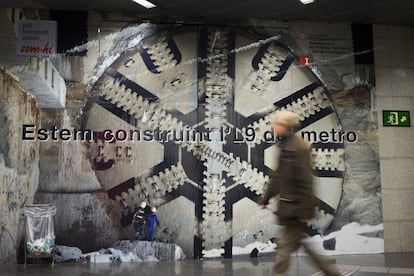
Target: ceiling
x=357 y=11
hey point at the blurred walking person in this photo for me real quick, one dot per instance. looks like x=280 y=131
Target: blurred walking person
x=293 y=183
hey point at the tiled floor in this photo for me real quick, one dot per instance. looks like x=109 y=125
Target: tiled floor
x=356 y=265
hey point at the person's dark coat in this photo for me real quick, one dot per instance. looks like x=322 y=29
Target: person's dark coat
x=292 y=181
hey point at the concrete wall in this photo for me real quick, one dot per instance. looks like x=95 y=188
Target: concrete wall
x=67 y=181
x=394 y=70
x=19 y=170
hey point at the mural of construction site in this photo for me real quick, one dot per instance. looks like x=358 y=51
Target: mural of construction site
x=181 y=121
x=178 y=117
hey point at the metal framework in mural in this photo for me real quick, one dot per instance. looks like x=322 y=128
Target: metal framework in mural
x=195 y=81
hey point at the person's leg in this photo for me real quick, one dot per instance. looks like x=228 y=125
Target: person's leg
x=288 y=243
x=322 y=262
x=144 y=231
x=151 y=235
x=136 y=228
x=147 y=235
x=138 y=233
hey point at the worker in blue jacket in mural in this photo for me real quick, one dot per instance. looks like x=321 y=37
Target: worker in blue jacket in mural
x=152 y=221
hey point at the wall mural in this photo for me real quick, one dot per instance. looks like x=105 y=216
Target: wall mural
x=181 y=121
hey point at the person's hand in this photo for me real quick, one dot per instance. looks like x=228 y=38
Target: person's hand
x=261 y=206
x=303 y=220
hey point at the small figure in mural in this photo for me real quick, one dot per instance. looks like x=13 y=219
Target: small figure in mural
x=152 y=221
x=293 y=183
x=139 y=221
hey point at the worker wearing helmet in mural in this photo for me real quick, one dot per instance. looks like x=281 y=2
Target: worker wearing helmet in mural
x=152 y=221
x=293 y=183
x=139 y=221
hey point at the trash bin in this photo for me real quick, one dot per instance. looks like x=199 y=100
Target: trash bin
x=40 y=232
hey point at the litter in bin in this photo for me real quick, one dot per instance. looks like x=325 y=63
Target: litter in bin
x=42 y=245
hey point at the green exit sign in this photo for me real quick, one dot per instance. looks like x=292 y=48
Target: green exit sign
x=396 y=118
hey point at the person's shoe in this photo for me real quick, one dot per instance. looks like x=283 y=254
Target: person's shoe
x=333 y=271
